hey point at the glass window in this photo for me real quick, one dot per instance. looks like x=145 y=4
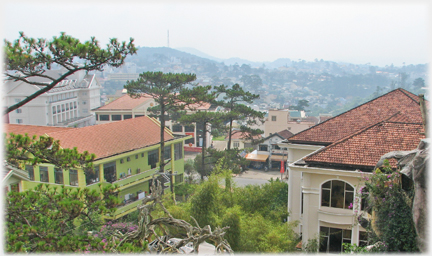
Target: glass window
x=67 y=106
x=138 y=115
x=167 y=152
x=236 y=144
x=19 y=121
x=153 y=158
x=75 y=104
x=73 y=177
x=54 y=110
x=58 y=175
x=104 y=117
x=30 y=171
x=92 y=176
x=363 y=238
x=191 y=141
x=178 y=151
x=177 y=128
x=273 y=118
x=337 y=194
x=127 y=117
x=43 y=173
x=110 y=174
x=189 y=128
x=263 y=147
x=15 y=187
x=179 y=178
x=332 y=239
x=116 y=117
x=63 y=107
x=19 y=110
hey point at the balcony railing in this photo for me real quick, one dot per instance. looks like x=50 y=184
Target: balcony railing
x=134 y=178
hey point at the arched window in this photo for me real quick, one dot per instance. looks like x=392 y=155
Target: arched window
x=337 y=194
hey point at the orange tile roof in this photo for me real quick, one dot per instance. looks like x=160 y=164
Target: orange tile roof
x=32 y=129
x=397 y=101
x=242 y=135
x=365 y=147
x=108 y=139
x=125 y=102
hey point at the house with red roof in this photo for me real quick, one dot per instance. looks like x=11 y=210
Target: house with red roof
x=326 y=164
x=127 y=154
x=126 y=107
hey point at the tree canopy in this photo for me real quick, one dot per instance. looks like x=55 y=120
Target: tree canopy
x=31 y=58
x=233 y=99
x=170 y=92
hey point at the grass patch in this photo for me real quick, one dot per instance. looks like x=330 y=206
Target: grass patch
x=220 y=138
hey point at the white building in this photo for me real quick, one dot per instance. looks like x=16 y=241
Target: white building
x=67 y=104
x=327 y=161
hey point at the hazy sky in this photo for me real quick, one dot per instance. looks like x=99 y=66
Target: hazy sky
x=361 y=32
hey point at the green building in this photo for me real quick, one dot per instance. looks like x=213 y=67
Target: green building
x=127 y=154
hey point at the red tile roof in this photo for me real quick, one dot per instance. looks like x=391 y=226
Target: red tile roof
x=105 y=140
x=365 y=147
x=125 y=102
x=285 y=134
x=242 y=135
x=397 y=101
x=32 y=129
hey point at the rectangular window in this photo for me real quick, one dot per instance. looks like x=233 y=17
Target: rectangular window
x=104 y=117
x=43 y=173
x=92 y=176
x=236 y=144
x=263 y=147
x=54 y=110
x=71 y=105
x=67 y=106
x=63 y=107
x=19 y=110
x=19 y=121
x=30 y=171
x=273 y=118
x=116 y=117
x=363 y=238
x=167 y=152
x=332 y=239
x=178 y=151
x=189 y=128
x=177 y=128
x=138 y=115
x=179 y=178
x=73 y=177
x=58 y=175
x=127 y=117
x=336 y=191
x=190 y=141
x=75 y=104
x=84 y=102
x=97 y=117
x=110 y=173
x=153 y=158
x=58 y=109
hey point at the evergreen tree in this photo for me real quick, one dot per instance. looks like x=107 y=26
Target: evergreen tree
x=171 y=94
x=30 y=58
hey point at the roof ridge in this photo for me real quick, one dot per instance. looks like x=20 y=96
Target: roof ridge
x=354 y=134
x=350 y=110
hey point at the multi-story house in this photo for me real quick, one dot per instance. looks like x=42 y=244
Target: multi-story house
x=326 y=164
x=280 y=119
x=68 y=104
x=126 y=107
x=127 y=154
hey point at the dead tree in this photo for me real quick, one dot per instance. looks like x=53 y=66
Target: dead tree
x=191 y=234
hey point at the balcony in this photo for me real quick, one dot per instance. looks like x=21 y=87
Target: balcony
x=132 y=180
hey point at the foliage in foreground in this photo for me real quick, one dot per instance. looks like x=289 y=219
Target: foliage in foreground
x=255 y=214
x=391 y=206
x=43 y=219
